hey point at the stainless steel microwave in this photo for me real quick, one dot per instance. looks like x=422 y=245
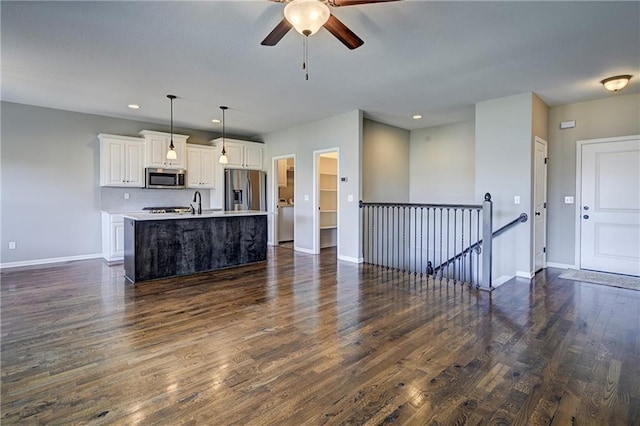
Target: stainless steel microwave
x=165 y=178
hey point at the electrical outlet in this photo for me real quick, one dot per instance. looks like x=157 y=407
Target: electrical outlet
x=306 y=197
x=126 y=195
x=12 y=245
x=350 y=198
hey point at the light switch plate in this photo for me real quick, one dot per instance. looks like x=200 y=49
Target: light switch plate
x=350 y=198
x=516 y=199
x=568 y=200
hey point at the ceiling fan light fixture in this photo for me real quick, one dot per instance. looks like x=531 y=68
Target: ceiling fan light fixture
x=307 y=16
x=616 y=83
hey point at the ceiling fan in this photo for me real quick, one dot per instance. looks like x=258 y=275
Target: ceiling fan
x=308 y=16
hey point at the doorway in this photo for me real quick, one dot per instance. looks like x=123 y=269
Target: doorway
x=284 y=191
x=540 y=206
x=608 y=209
x=326 y=229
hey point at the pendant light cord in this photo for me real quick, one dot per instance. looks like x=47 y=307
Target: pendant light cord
x=223 y=108
x=305 y=56
x=171 y=97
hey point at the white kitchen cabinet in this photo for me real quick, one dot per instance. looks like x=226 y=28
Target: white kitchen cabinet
x=241 y=154
x=157 y=144
x=121 y=161
x=112 y=237
x=201 y=166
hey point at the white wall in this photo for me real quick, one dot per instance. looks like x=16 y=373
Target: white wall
x=50 y=189
x=442 y=164
x=615 y=115
x=503 y=168
x=343 y=132
x=385 y=156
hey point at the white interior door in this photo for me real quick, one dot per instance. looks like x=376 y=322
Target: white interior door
x=610 y=205
x=540 y=206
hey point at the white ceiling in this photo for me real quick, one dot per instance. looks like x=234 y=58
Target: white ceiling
x=420 y=57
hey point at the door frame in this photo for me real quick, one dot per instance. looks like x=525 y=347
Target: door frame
x=545 y=209
x=578 y=196
x=274 y=198
x=316 y=199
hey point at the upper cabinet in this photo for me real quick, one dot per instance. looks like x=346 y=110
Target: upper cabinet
x=201 y=166
x=158 y=145
x=121 y=161
x=241 y=154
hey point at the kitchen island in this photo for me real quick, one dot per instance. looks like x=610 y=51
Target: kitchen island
x=171 y=244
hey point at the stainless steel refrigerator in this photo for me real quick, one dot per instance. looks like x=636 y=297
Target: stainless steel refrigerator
x=245 y=190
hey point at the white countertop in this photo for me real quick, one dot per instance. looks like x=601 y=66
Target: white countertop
x=205 y=214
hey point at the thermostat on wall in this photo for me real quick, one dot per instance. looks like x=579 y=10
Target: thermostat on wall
x=568 y=124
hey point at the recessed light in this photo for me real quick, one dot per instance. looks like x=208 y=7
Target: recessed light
x=134 y=106
x=215 y=120
x=417 y=117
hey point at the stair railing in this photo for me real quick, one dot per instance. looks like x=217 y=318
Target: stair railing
x=411 y=238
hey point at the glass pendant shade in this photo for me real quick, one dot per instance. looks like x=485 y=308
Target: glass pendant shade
x=171 y=154
x=614 y=84
x=223 y=158
x=306 y=16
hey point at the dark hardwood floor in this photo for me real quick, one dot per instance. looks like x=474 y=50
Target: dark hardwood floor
x=307 y=339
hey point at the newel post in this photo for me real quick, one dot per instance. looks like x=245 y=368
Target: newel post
x=487 y=231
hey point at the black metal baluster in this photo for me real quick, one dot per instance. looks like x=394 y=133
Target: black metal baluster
x=477 y=281
x=470 y=245
x=415 y=241
x=462 y=263
x=448 y=251
x=421 y=238
x=455 y=240
x=440 y=237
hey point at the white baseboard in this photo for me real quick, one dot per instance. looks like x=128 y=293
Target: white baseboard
x=561 y=265
x=303 y=250
x=523 y=274
x=50 y=260
x=351 y=259
x=500 y=280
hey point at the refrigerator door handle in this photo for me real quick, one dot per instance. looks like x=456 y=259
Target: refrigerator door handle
x=249 y=194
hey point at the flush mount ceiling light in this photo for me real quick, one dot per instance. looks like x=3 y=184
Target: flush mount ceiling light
x=134 y=106
x=223 y=156
x=171 y=153
x=215 y=120
x=417 y=117
x=307 y=16
x=616 y=83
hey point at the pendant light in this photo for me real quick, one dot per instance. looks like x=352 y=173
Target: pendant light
x=223 y=156
x=171 y=153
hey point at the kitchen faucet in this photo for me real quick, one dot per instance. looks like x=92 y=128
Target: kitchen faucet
x=199 y=197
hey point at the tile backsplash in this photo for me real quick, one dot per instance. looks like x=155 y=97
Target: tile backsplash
x=113 y=200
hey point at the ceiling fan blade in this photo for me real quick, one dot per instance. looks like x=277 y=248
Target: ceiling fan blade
x=338 y=3
x=342 y=33
x=277 y=33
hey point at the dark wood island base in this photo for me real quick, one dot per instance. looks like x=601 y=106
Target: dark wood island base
x=174 y=245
